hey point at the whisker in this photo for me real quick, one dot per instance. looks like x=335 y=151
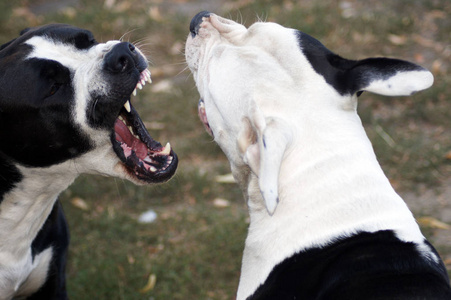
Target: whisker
x=127 y=33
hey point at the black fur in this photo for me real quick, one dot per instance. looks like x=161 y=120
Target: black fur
x=48 y=101
x=362 y=267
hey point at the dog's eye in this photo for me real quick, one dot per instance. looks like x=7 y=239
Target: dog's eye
x=55 y=87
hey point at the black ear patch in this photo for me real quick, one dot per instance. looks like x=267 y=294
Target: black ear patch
x=386 y=76
x=326 y=63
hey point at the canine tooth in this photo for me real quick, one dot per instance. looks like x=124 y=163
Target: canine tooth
x=153 y=169
x=127 y=106
x=139 y=86
x=134 y=92
x=166 y=150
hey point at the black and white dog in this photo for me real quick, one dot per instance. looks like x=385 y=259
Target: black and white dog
x=325 y=222
x=64 y=110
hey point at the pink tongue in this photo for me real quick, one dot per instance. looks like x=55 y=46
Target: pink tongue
x=124 y=135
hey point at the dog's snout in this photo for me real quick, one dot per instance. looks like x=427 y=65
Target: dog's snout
x=120 y=57
x=196 y=21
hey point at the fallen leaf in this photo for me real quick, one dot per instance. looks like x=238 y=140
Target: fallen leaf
x=131 y=259
x=150 y=284
x=155 y=14
x=221 y=203
x=448 y=155
x=433 y=223
x=227 y=178
x=79 y=203
x=397 y=39
x=447 y=262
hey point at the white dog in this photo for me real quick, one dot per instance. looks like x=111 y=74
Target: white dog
x=325 y=222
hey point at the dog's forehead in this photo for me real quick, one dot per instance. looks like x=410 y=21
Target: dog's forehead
x=63 y=34
x=62 y=43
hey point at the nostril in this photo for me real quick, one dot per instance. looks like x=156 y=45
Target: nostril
x=122 y=63
x=131 y=47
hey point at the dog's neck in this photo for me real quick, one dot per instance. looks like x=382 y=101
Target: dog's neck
x=24 y=209
x=329 y=187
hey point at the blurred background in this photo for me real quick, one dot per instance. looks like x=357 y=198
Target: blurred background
x=191 y=247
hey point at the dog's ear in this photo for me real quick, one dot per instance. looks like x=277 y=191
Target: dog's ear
x=385 y=76
x=389 y=77
x=263 y=142
x=25 y=30
x=10 y=42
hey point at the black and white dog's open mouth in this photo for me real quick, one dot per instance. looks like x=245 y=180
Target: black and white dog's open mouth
x=144 y=158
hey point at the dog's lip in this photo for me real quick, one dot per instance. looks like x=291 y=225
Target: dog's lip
x=203 y=116
x=144 y=158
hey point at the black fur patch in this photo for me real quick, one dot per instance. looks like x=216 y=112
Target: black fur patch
x=365 y=266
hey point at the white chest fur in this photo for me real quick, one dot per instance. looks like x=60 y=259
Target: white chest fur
x=23 y=211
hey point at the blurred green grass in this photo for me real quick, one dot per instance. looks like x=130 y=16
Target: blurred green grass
x=194 y=248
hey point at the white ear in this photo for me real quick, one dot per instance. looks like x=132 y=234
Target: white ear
x=263 y=142
x=389 y=77
x=403 y=83
x=274 y=142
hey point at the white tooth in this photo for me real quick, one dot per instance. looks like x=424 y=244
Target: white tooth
x=127 y=106
x=153 y=169
x=134 y=92
x=148 y=76
x=166 y=150
x=148 y=159
x=139 y=86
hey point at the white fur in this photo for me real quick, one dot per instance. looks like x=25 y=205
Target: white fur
x=329 y=183
x=23 y=212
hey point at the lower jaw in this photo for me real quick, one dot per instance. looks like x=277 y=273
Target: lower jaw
x=140 y=178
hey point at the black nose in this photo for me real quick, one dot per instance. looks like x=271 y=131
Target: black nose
x=121 y=57
x=196 y=21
